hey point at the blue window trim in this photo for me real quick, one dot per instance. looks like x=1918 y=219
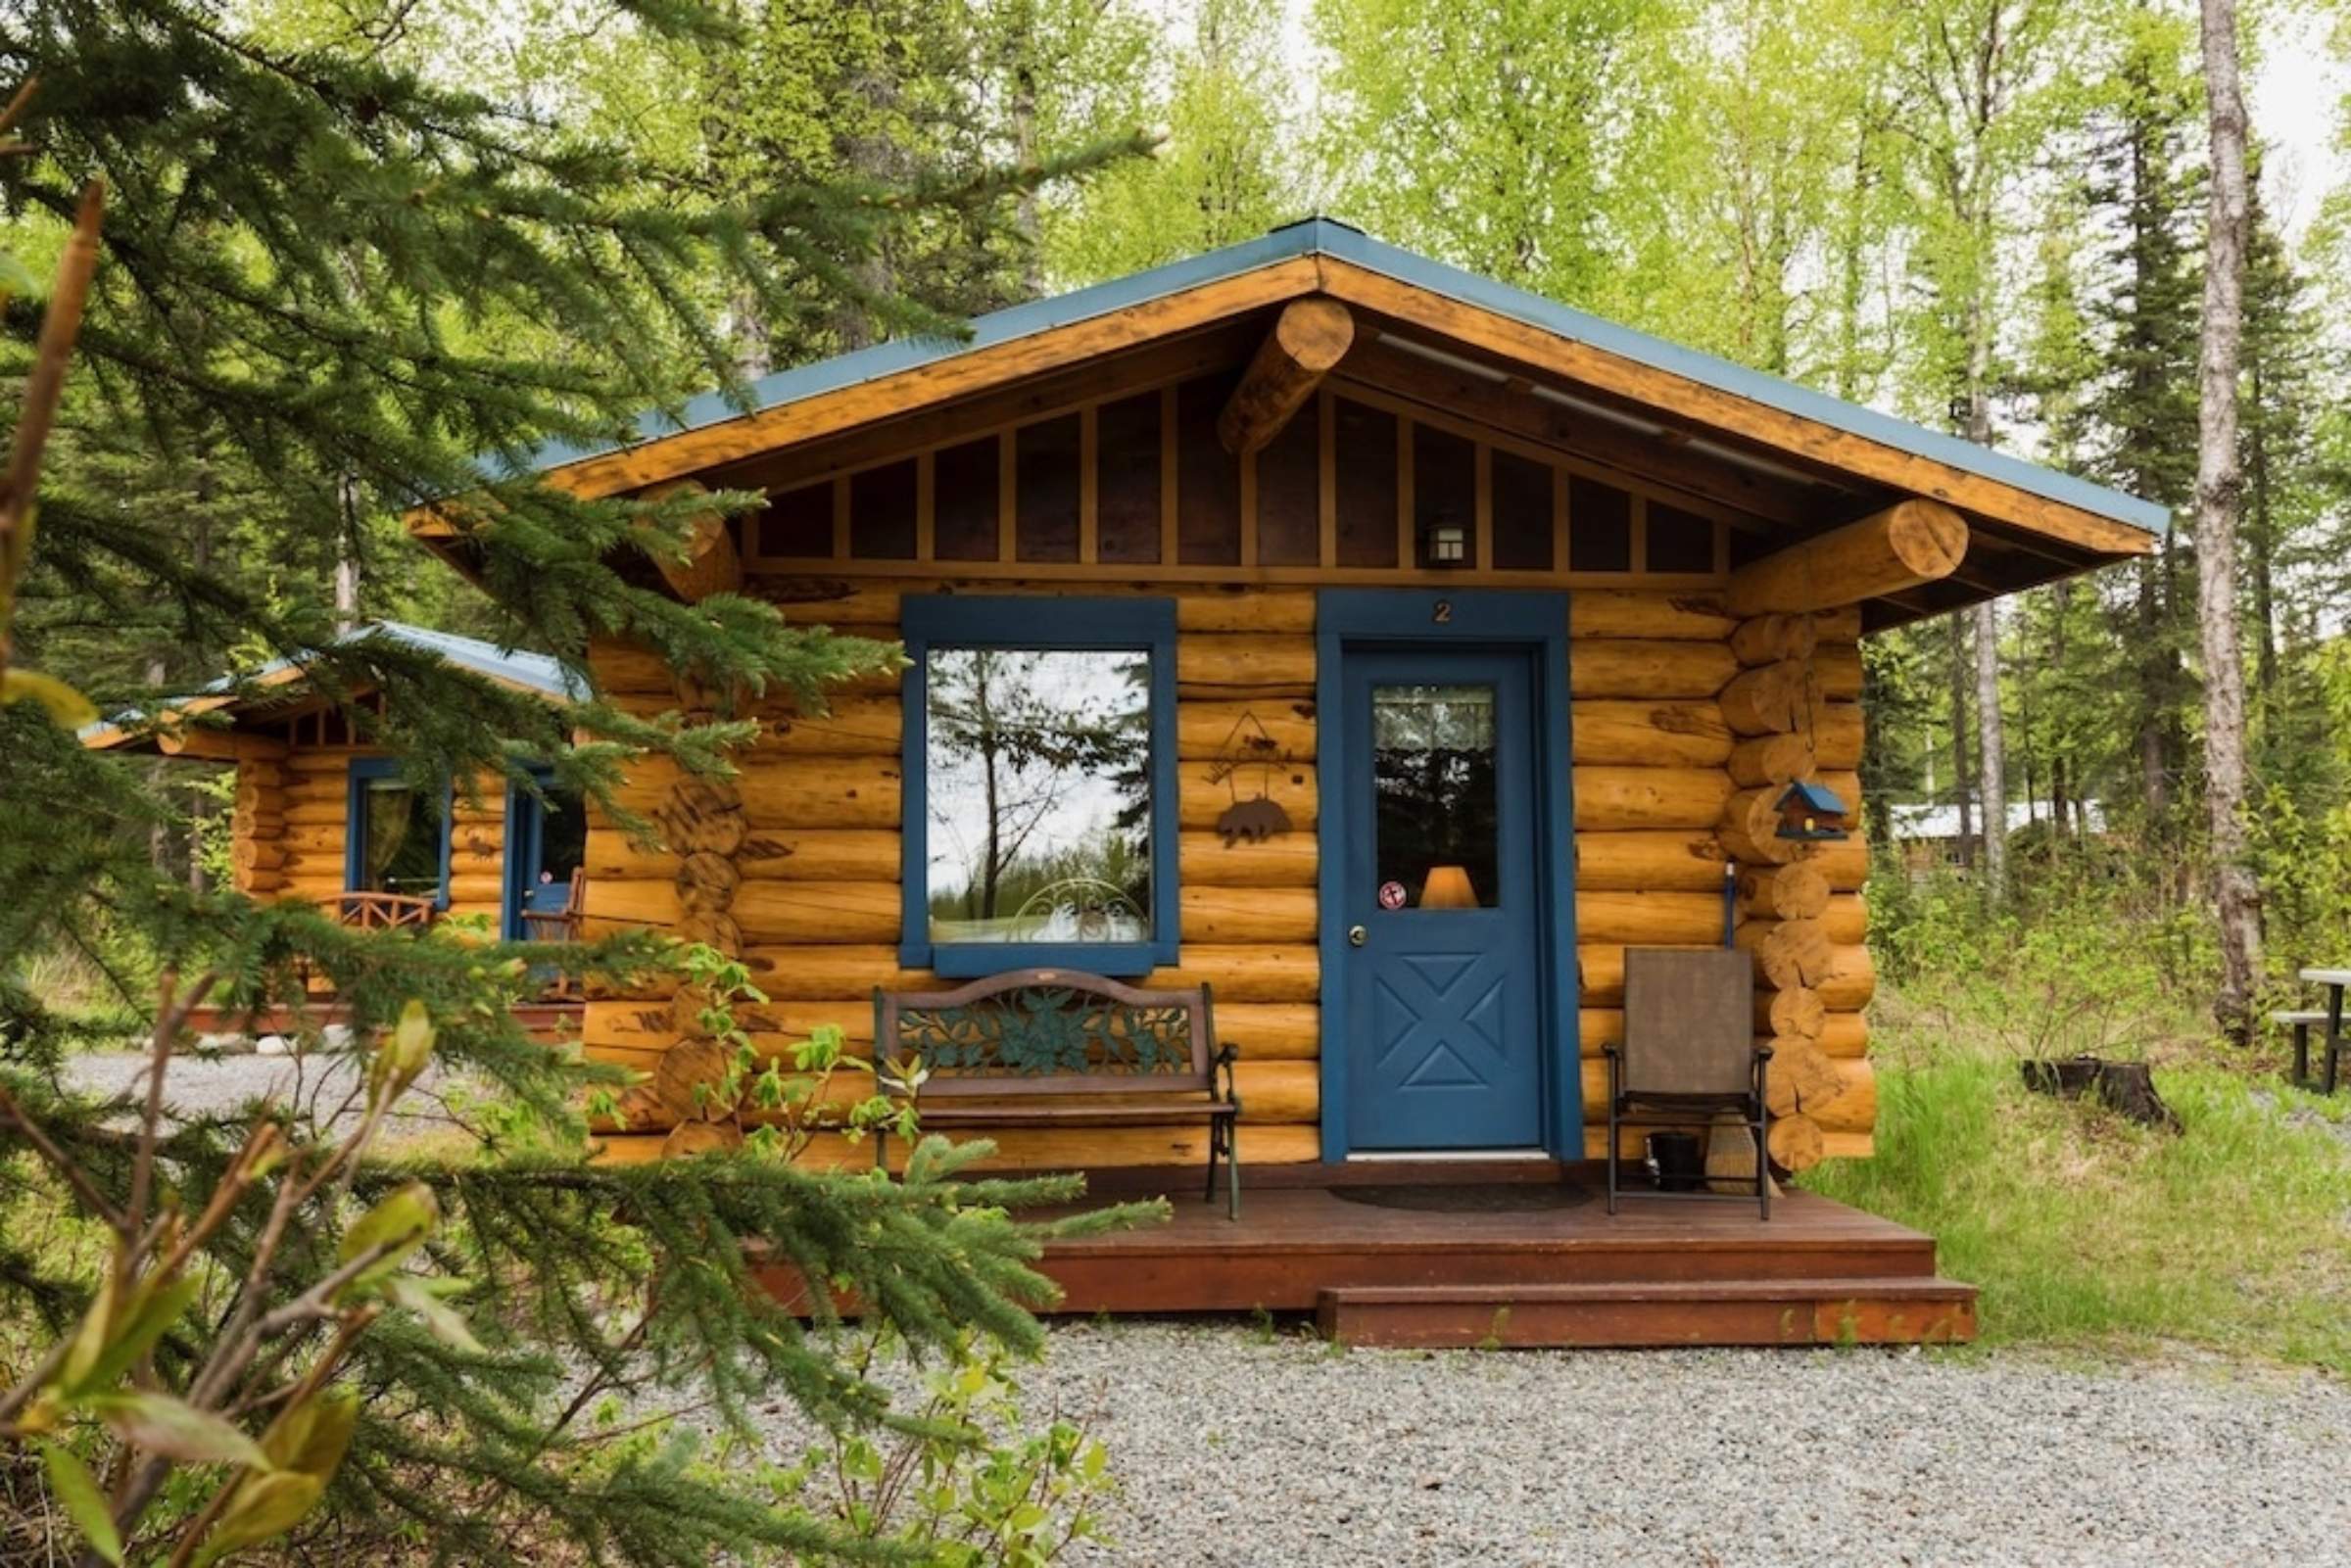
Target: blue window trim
x=1046 y=625
x=355 y=823
x=1497 y=618
x=526 y=838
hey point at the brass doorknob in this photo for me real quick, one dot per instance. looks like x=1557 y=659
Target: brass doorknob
x=1356 y=936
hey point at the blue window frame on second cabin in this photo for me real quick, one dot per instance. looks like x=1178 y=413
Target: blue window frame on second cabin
x=397 y=839
x=1039 y=783
x=547 y=842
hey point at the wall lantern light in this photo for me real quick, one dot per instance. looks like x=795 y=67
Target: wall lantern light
x=1447 y=541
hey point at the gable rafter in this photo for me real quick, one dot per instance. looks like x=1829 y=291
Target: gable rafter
x=1624 y=455
x=1713 y=407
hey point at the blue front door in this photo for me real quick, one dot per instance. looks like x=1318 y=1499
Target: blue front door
x=1441 y=913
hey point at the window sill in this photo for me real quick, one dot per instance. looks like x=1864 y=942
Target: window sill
x=971 y=960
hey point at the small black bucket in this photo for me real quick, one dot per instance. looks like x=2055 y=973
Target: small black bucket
x=1677 y=1162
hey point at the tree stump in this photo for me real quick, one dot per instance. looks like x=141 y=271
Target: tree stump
x=1790 y=954
x=1797 y=1011
x=1810 y=1076
x=1794 y=891
x=2127 y=1088
x=1731 y=1156
x=701 y=814
x=687 y=1081
x=1749 y=831
x=706 y=881
x=1770 y=759
x=690 y=1138
x=713 y=928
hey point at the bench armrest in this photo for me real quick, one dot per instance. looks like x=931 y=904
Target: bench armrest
x=1227 y=1055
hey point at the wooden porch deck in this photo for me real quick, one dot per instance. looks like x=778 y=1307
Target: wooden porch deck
x=1517 y=1254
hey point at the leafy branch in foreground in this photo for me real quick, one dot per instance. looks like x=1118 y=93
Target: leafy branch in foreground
x=270 y=1355
x=333 y=286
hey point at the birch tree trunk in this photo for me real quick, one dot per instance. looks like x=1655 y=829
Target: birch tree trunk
x=2219 y=493
x=1991 y=735
x=1963 y=776
x=347 y=557
x=1991 y=753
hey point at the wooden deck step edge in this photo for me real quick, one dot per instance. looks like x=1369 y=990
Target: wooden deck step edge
x=1896 y=1311
x=1858 y=1288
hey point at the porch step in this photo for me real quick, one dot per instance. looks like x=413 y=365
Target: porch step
x=1894 y=1309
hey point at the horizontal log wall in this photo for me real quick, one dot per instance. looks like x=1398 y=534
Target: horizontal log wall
x=290 y=823
x=813 y=891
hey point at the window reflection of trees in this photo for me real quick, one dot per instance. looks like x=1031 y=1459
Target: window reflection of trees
x=1038 y=796
x=1433 y=775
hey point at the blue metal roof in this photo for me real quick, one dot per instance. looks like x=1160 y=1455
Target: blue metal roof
x=1321 y=236
x=535 y=672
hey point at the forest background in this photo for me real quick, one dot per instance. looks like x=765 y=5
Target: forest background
x=1984 y=214
x=1988 y=216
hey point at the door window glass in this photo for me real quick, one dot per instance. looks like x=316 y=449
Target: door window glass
x=562 y=846
x=1432 y=765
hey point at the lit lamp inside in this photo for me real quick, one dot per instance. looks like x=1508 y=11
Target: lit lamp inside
x=1448 y=543
x=1448 y=888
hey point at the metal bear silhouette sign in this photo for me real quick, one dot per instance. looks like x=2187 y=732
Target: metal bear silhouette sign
x=1250 y=751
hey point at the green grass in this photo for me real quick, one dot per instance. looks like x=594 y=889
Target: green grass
x=2084 y=1229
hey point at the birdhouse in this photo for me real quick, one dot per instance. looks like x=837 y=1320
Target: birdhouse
x=1812 y=813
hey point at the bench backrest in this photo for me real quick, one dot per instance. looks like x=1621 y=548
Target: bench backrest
x=1050 y=1031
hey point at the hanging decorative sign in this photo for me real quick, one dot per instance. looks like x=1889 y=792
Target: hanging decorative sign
x=1392 y=895
x=1250 y=751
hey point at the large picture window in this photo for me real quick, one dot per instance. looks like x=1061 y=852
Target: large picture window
x=1039 y=808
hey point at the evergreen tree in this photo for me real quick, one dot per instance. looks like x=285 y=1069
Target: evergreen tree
x=2144 y=409
x=333 y=285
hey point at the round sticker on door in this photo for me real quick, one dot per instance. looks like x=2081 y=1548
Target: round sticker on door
x=1391 y=895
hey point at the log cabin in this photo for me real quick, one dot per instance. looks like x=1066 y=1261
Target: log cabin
x=1383 y=646
x=322 y=813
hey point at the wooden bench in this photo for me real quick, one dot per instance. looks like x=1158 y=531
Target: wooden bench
x=1061 y=1048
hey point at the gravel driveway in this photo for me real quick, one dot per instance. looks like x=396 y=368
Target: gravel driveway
x=200 y=1086
x=1243 y=1452
x=1235 y=1451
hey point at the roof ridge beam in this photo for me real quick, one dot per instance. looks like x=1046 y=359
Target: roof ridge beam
x=1310 y=337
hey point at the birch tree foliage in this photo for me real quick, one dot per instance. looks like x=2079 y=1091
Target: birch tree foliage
x=1493 y=137
x=1756 y=152
x=1221 y=170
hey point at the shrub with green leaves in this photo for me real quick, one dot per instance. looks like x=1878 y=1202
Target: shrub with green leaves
x=970 y=1483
